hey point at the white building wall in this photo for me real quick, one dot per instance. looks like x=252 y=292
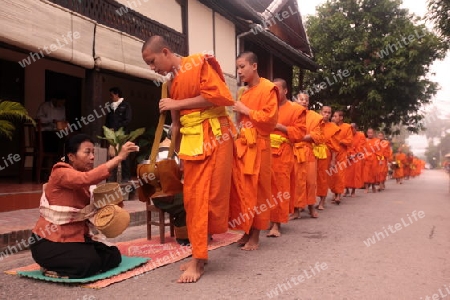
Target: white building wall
x=167 y=12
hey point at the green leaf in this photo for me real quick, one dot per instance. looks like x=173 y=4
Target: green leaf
x=110 y=135
x=136 y=133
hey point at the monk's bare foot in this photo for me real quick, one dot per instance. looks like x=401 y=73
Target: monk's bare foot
x=295 y=215
x=337 y=200
x=194 y=271
x=321 y=205
x=243 y=240
x=185 y=266
x=374 y=189
x=352 y=195
x=274 y=231
x=253 y=241
x=313 y=212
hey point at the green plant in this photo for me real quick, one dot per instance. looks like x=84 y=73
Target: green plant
x=117 y=139
x=11 y=112
x=145 y=143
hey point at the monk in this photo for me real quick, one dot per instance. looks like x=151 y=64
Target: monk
x=197 y=104
x=324 y=162
x=353 y=173
x=307 y=161
x=407 y=166
x=345 y=137
x=251 y=187
x=290 y=129
x=400 y=160
x=383 y=159
x=371 y=169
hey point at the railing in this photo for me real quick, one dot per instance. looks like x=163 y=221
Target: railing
x=109 y=13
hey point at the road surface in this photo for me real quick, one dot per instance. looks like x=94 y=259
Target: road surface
x=389 y=245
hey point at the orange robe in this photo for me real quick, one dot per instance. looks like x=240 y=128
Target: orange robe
x=407 y=166
x=207 y=176
x=330 y=132
x=400 y=158
x=251 y=180
x=371 y=164
x=306 y=171
x=283 y=174
x=383 y=158
x=337 y=182
x=353 y=173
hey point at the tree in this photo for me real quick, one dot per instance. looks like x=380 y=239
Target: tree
x=374 y=62
x=439 y=13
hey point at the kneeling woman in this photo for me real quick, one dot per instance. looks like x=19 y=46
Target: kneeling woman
x=63 y=247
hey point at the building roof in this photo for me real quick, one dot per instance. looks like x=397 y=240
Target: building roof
x=275 y=23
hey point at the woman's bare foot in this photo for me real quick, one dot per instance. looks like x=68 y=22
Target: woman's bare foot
x=195 y=269
x=253 y=241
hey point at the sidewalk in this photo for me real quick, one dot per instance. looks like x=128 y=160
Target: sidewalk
x=17 y=225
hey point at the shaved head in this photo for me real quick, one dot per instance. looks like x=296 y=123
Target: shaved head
x=282 y=82
x=249 y=56
x=155 y=44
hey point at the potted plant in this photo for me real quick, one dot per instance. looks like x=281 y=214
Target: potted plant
x=117 y=139
x=12 y=111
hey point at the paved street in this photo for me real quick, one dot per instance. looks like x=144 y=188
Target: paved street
x=407 y=256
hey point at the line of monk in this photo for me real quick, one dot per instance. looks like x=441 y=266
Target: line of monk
x=269 y=169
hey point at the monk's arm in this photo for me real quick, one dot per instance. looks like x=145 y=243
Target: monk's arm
x=348 y=138
x=176 y=125
x=317 y=133
x=298 y=129
x=188 y=103
x=267 y=113
x=213 y=88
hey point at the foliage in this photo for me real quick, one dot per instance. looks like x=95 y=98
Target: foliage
x=439 y=13
x=374 y=62
x=11 y=112
x=117 y=139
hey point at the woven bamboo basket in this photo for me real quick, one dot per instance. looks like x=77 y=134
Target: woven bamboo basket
x=112 y=220
x=107 y=193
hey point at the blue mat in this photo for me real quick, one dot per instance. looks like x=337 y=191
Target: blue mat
x=127 y=263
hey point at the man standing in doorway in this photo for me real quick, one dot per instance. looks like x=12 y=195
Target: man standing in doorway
x=119 y=117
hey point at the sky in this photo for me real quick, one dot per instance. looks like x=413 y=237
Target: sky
x=418 y=143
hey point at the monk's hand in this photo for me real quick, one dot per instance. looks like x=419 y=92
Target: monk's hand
x=168 y=104
x=281 y=128
x=332 y=163
x=241 y=108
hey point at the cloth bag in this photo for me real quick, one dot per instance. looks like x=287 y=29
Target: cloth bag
x=163 y=178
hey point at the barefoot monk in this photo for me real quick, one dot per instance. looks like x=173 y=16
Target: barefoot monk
x=198 y=98
x=257 y=111
x=290 y=129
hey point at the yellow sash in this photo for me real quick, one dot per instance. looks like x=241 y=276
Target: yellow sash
x=192 y=129
x=320 y=151
x=300 y=152
x=276 y=140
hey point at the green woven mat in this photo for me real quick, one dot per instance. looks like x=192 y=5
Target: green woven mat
x=127 y=263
